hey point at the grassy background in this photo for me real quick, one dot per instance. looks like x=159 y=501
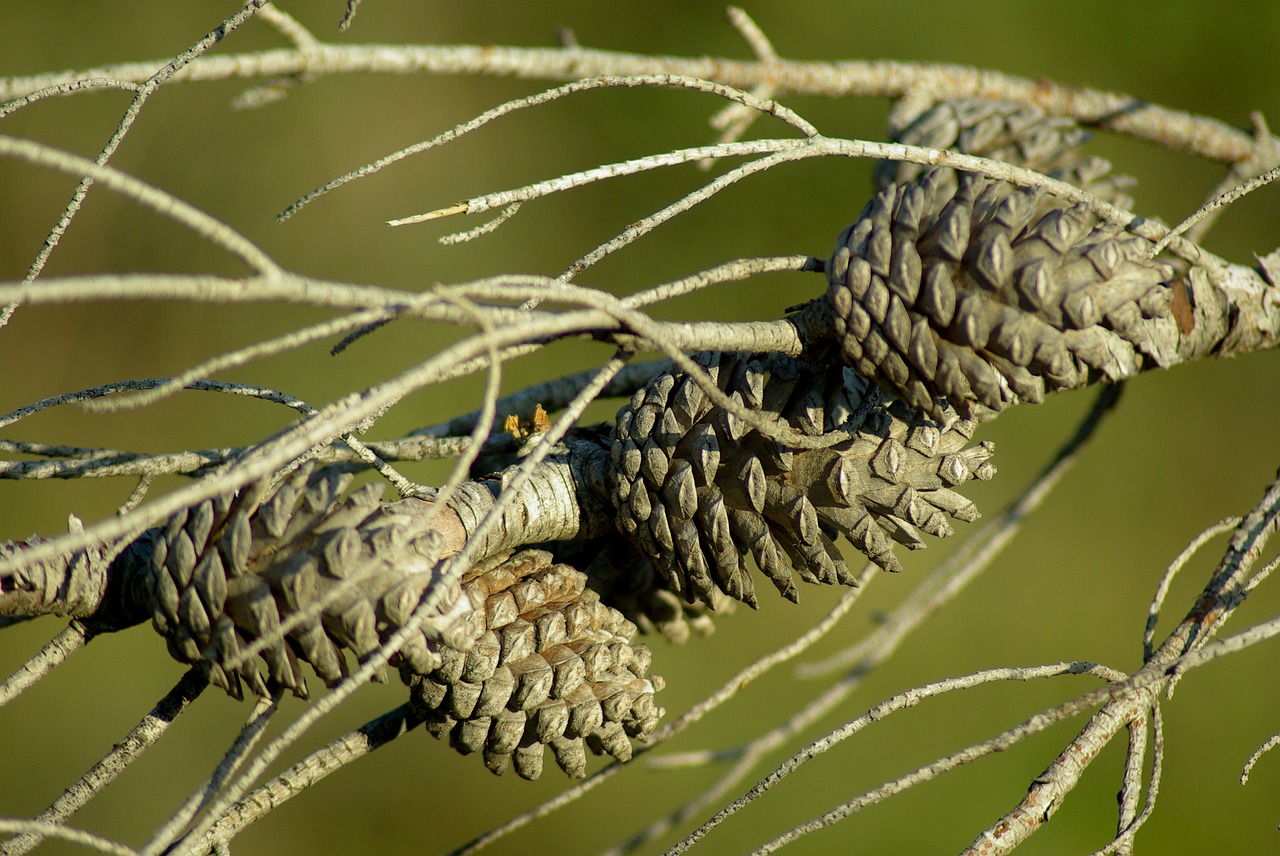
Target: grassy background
x=1187 y=447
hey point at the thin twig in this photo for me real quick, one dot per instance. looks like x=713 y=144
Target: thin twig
x=236 y=358
x=638 y=229
x=143 y=735
x=214 y=231
x=273 y=90
x=673 y=81
x=901 y=701
x=66 y=833
x=1135 y=759
x=737 y=270
x=75 y=462
x=1166 y=581
x=1254 y=758
x=85 y=396
x=70 y=87
x=734 y=120
x=250 y=734
x=144 y=92
x=1123 y=842
x=314 y=768
x=1218 y=202
x=55 y=652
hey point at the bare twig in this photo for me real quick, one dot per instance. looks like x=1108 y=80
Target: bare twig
x=217 y=233
x=1266 y=747
x=1217 y=203
x=250 y=734
x=69 y=640
x=144 y=735
x=1166 y=581
x=1188 y=646
x=66 y=833
x=910 y=698
x=1177 y=130
x=70 y=87
x=143 y=93
x=315 y=767
x=734 y=120
x=673 y=81
x=239 y=357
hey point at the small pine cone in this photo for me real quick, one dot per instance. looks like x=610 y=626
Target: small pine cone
x=988 y=295
x=552 y=667
x=224 y=574
x=698 y=490
x=1007 y=131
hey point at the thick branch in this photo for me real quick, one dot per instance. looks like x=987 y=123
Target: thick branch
x=562 y=501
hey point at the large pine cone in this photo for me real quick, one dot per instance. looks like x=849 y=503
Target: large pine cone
x=976 y=292
x=554 y=667
x=698 y=490
x=225 y=574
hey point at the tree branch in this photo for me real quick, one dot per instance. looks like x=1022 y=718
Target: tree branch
x=1177 y=130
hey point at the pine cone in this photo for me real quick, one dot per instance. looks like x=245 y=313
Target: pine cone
x=698 y=490
x=1008 y=131
x=961 y=288
x=553 y=667
x=224 y=574
x=987 y=295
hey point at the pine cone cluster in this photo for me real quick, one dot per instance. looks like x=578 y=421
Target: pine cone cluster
x=976 y=292
x=954 y=292
x=521 y=655
x=698 y=490
x=554 y=667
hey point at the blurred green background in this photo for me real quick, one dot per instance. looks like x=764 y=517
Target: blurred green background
x=1186 y=448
